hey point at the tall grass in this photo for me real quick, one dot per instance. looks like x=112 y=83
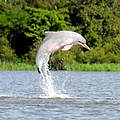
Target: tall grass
x=16 y=66
x=93 y=67
x=73 y=67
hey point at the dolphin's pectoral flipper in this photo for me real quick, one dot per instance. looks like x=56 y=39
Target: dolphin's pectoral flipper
x=67 y=47
x=54 y=48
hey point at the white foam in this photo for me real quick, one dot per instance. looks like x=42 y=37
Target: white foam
x=34 y=97
x=47 y=83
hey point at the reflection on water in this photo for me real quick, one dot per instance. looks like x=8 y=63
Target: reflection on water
x=93 y=96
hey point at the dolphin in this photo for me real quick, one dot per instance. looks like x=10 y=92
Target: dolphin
x=54 y=41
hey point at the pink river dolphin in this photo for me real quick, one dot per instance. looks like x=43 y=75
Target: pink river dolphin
x=54 y=41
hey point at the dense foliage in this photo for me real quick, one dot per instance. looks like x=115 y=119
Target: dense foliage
x=23 y=23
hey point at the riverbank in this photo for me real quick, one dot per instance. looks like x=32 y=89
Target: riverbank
x=16 y=66
x=93 y=67
x=73 y=67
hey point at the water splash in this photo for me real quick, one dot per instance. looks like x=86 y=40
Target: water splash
x=47 y=84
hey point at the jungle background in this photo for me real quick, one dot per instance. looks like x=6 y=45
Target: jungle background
x=23 y=24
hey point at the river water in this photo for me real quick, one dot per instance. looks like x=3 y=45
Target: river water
x=91 y=96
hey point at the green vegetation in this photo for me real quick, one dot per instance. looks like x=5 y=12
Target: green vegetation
x=23 y=23
x=16 y=66
x=93 y=67
x=73 y=67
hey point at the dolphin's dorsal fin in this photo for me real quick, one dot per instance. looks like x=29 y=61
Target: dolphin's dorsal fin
x=49 y=33
x=67 y=47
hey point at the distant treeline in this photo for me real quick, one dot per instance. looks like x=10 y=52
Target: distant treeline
x=23 y=23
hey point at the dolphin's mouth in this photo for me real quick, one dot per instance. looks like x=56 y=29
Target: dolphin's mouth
x=83 y=45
